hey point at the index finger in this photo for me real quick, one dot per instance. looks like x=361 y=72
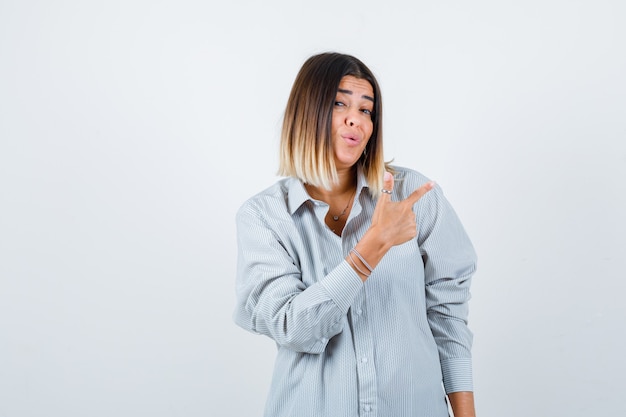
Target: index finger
x=420 y=192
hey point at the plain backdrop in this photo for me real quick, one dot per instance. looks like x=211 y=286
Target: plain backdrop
x=131 y=131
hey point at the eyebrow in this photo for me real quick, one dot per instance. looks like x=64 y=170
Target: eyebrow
x=350 y=92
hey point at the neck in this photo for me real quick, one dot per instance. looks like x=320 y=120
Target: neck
x=345 y=185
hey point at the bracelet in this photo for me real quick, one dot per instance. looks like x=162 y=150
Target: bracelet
x=362 y=260
x=355 y=266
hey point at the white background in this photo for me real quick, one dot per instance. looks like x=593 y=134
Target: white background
x=131 y=131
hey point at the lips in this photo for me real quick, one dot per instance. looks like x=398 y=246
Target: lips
x=351 y=139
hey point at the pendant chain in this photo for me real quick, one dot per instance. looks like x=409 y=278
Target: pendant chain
x=337 y=217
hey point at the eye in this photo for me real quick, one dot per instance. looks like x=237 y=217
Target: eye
x=339 y=104
x=367 y=111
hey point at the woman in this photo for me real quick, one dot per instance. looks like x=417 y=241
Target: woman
x=359 y=271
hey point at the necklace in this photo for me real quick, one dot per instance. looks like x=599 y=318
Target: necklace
x=336 y=217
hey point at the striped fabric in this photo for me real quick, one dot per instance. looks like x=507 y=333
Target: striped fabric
x=347 y=348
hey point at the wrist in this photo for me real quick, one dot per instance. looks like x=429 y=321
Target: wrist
x=462 y=404
x=373 y=246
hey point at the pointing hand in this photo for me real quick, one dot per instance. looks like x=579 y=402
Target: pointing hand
x=395 y=220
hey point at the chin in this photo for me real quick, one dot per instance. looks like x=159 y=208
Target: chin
x=347 y=161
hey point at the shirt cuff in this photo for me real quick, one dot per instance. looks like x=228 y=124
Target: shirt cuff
x=342 y=285
x=457 y=375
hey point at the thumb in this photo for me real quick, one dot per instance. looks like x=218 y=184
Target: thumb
x=387 y=184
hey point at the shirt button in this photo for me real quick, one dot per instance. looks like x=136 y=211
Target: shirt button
x=364 y=359
x=367 y=408
x=359 y=312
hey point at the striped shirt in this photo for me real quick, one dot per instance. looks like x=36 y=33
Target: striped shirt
x=347 y=348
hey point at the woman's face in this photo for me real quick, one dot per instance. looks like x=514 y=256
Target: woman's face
x=352 y=124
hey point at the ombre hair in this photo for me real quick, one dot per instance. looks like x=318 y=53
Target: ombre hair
x=306 y=150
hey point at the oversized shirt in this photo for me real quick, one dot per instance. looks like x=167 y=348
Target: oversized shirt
x=349 y=348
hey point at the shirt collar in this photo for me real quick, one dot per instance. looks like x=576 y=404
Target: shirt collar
x=297 y=194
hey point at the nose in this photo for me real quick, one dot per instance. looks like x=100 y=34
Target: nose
x=352 y=119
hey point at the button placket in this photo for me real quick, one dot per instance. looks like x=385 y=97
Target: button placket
x=363 y=349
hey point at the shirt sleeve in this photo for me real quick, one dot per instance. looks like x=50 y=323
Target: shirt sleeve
x=449 y=263
x=271 y=297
